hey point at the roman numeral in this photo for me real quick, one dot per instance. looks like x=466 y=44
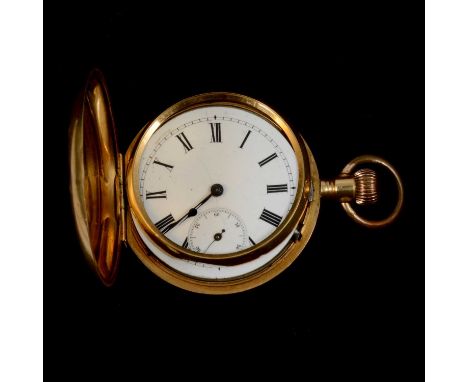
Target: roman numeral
x=185 y=142
x=271 y=189
x=185 y=243
x=246 y=136
x=164 y=223
x=253 y=242
x=270 y=217
x=267 y=159
x=156 y=195
x=215 y=132
x=168 y=166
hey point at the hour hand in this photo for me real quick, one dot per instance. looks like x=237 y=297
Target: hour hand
x=192 y=212
x=216 y=190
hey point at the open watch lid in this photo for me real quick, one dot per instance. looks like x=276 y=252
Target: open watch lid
x=96 y=178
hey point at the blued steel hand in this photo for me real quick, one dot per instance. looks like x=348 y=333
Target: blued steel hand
x=216 y=190
x=216 y=237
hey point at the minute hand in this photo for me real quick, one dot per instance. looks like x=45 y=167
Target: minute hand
x=216 y=190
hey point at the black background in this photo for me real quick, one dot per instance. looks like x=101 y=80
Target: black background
x=350 y=80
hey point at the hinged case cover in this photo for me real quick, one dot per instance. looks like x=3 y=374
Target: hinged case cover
x=96 y=178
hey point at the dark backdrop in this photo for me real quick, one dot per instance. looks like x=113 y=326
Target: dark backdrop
x=350 y=79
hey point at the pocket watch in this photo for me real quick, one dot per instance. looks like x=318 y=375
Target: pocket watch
x=216 y=195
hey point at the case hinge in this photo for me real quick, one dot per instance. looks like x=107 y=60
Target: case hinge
x=123 y=220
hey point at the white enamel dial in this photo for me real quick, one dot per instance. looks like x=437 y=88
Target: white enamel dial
x=221 y=168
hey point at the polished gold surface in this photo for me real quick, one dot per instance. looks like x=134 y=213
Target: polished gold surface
x=305 y=225
x=95 y=180
x=301 y=202
x=341 y=188
x=365 y=159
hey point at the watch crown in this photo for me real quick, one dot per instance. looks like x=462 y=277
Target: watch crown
x=361 y=187
x=366 y=186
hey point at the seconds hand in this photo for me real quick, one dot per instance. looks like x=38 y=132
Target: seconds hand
x=216 y=237
x=216 y=190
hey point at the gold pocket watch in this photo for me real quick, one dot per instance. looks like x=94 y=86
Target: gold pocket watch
x=216 y=195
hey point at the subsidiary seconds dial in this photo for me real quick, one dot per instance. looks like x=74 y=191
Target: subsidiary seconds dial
x=225 y=146
x=218 y=230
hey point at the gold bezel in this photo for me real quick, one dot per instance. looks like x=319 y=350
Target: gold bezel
x=291 y=221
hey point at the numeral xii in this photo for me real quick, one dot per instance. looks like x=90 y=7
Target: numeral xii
x=216 y=132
